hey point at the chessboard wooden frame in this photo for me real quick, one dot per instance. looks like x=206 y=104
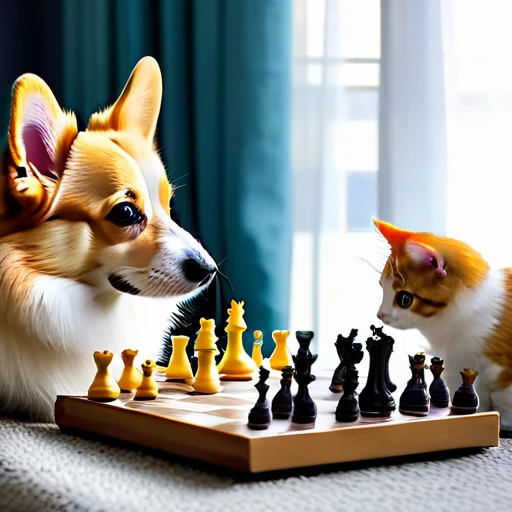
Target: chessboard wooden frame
x=252 y=451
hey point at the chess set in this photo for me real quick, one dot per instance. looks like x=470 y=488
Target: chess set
x=288 y=418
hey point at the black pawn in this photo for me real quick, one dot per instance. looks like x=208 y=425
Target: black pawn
x=259 y=416
x=465 y=400
x=304 y=409
x=414 y=401
x=375 y=399
x=439 y=393
x=282 y=404
x=348 y=407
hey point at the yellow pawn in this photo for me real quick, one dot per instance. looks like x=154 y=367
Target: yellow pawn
x=104 y=387
x=148 y=390
x=131 y=377
x=236 y=363
x=179 y=366
x=257 y=356
x=281 y=356
x=207 y=377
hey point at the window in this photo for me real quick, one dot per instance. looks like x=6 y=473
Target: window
x=335 y=165
x=335 y=146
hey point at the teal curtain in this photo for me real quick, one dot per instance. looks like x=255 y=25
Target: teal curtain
x=30 y=41
x=224 y=128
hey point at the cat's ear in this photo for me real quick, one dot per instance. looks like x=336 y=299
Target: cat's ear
x=396 y=237
x=427 y=258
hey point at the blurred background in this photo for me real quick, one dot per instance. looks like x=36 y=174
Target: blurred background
x=402 y=110
x=289 y=124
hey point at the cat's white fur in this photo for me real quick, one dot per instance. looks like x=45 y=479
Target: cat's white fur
x=458 y=333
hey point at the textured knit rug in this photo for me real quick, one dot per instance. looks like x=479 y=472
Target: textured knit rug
x=42 y=469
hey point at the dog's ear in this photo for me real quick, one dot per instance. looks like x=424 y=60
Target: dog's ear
x=40 y=133
x=138 y=106
x=39 y=139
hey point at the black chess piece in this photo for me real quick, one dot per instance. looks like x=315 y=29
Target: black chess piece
x=304 y=409
x=439 y=392
x=375 y=399
x=259 y=416
x=348 y=353
x=221 y=348
x=387 y=380
x=282 y=404
x=194 y=364
x=465 y=400
x=415 y=401
x=348 y=407
x=378 y=333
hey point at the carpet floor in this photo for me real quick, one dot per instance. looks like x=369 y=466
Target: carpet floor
x=42 y=469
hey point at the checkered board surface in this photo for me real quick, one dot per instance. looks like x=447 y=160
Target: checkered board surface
x=213 y=428
x=228 y=410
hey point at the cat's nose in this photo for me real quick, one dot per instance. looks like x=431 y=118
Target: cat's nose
x=198 y=271
x=380 y=315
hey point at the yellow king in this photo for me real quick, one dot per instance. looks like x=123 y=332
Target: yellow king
x=236 y=364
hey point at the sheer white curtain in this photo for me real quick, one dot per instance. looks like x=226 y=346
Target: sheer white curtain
x=412 y=121
x=335 y=158
x=478 y=64
x=403 y=110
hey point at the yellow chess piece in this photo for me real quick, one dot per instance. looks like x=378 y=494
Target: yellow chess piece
x=207 y=378
x=179 y=366
x=257 y=356
x=236 y=363
x=131 y=377
x=104 y=387
x=281 y=356
x=148 y=390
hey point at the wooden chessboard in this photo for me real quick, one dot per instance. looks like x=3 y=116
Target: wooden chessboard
x=213 y=428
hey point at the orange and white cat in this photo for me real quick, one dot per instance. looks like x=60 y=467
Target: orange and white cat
x=446 y=290
x=89 y=256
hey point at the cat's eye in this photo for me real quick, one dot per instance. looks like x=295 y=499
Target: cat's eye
x=125 y=214
x=404 y=299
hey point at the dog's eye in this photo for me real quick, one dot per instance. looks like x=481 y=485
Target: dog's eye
x=125 y=214
x=404 y=299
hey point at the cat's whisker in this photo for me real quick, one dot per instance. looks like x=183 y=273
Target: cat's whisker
x=180 y=177
x=369 y=263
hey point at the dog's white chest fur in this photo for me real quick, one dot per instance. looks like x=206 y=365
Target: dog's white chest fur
x=47 y=349
x=91 y=206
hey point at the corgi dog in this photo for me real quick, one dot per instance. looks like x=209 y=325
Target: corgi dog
x=462 y=306
x=89 y=256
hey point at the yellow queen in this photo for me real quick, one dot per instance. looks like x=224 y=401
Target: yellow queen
x=236 y=364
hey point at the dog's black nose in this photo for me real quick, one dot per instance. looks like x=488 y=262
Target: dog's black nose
x=197 y=271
